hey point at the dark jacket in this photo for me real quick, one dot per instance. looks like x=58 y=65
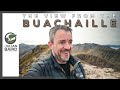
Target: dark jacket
x=50 y=69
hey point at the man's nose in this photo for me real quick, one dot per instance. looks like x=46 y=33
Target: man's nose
x=67 y=46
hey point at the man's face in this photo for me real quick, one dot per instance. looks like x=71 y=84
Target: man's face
x=61 y=47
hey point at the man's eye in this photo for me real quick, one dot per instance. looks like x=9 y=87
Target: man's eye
x=62 y=42
x=70 y=42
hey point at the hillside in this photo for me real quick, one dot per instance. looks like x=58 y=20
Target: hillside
x=98 y=55
x=24 y=48
x=99 y=61
x=31 y=57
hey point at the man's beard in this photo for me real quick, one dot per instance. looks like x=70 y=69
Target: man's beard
x=59 y=56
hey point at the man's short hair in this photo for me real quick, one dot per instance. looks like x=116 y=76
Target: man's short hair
x=54 y=29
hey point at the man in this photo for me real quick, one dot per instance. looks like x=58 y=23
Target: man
x=61 y=64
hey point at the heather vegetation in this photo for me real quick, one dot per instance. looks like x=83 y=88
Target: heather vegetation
x=26 y=61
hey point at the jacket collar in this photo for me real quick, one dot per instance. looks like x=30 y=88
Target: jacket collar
x=71 y=60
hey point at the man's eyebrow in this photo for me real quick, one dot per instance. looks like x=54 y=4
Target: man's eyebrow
x=62 y=40
x=65 y=40
x=70 y=40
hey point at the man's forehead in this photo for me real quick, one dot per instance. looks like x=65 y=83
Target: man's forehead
x=63 y=37
x=62 y=32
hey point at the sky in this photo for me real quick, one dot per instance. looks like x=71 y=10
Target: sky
x=13 y=22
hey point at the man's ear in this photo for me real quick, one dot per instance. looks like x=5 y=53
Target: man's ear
x=50 y=44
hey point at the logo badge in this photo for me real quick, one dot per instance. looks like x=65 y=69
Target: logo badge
x=10 y=38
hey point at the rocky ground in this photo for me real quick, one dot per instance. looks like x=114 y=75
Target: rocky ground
x=94 y=72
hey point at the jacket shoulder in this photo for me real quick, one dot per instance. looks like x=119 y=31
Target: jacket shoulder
x=77 y=59
x=37 y=68
x=43 y=62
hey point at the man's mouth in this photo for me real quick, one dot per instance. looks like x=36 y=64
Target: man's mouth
x=65 y=53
